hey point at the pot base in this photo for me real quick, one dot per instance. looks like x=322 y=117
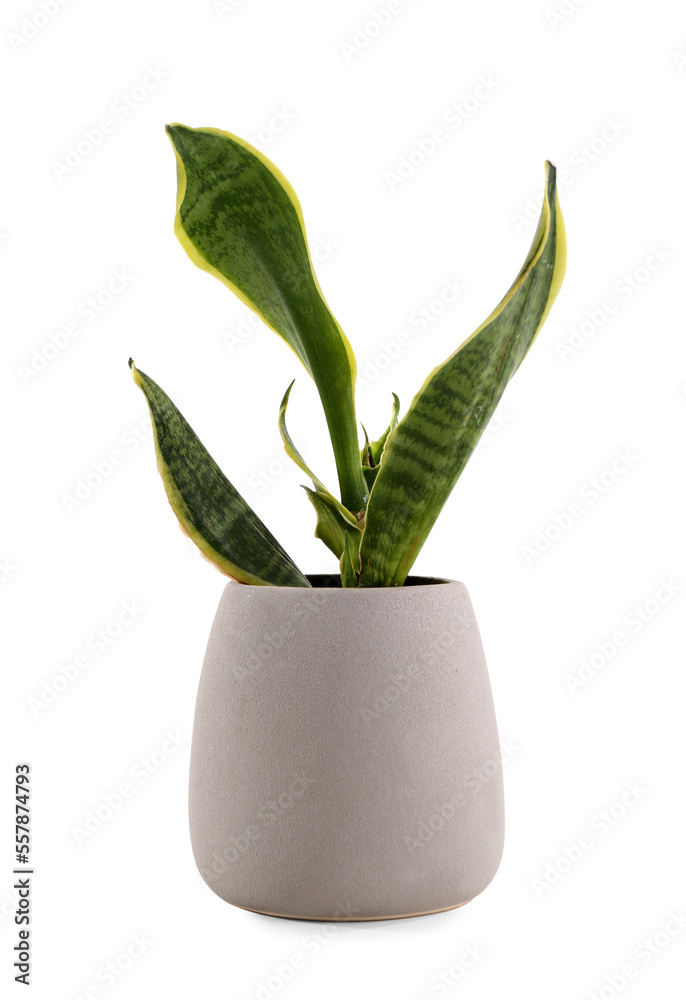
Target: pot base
x=352 y=920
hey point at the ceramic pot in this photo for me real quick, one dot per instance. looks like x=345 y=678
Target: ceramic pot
x=345 y=761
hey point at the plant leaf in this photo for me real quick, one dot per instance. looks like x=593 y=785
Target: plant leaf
x=350 y=562
x=332 y=527
x=295 y=455
x=239 y=219
x=427 y=451
x=210 y=510
x=376 y=447
x=334 y=521
x=370 y=474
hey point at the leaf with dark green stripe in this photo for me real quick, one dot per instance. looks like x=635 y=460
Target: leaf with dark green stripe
x=332 y=528
x=350 y=562
x=210 y=510
x=334 y=521
x=374 y=448
x=372 y=451
x=295 y=455
x=239 y=219
x=426 y=453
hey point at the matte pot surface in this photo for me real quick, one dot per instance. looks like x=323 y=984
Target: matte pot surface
x=345 y=761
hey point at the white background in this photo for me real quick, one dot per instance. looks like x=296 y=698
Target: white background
x=599 y=89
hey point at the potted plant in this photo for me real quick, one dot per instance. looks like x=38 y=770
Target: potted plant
x=345 y=760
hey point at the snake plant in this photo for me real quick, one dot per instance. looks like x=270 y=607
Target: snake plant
x=238 y=218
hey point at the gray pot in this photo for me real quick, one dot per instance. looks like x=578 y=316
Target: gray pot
x=345 y=762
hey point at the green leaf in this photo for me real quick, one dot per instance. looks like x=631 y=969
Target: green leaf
x=210 y=510
x=239 y=219
x=295 y=455
x=426 y=453
x=350 y=562
x=370 y=474
x=334 y=521
x=372 y=451
x=332 y=528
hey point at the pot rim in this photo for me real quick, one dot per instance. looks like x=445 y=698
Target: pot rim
x=332 y=582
